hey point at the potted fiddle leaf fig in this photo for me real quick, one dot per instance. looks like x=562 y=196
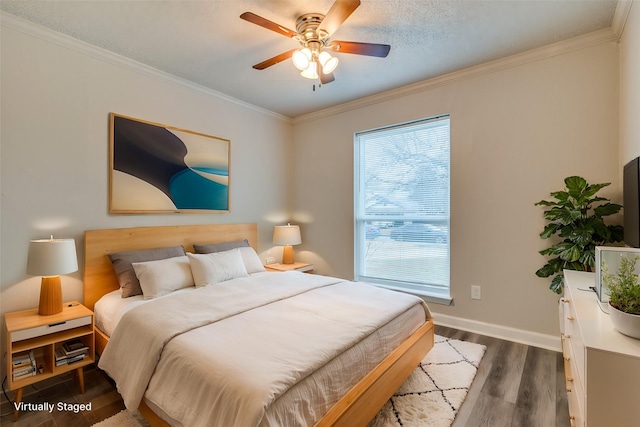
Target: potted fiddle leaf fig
x=576 y=216
x=624 y=296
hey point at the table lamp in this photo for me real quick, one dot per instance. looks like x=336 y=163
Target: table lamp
x=287 y=235
x=49 y=258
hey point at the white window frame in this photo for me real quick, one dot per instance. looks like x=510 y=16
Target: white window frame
x=437 y=293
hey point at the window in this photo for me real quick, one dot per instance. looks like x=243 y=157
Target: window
x=402 y=207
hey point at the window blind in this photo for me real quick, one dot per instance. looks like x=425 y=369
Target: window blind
x=402 y=206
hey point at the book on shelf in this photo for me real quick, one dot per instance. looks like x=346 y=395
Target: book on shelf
x=24 y=365
x=20 y=375
x=70 y=360
x=62 y=357
x=22 y=371
x=21 y=365
x=74 y=348
x=23 y=358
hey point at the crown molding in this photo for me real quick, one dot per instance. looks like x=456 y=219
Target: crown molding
x=29 y=28
x=620 y=16
x=565 y=46
x=605 y=35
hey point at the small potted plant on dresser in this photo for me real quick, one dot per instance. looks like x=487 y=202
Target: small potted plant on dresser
x=624 y=296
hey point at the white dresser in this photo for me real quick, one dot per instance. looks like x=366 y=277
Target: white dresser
x=602 y=366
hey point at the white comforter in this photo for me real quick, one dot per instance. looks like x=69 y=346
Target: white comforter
x=269 y=332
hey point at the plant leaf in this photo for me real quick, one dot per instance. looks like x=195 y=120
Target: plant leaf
x=581 y=234
x=616 y=233
x=594 y=188
x=545 y=203
x=570 y=252
x=577 y=266
x=588 y=258
x=576 y=185
x=554 y=266
x=549 y=230
x=607 y=209
x=562 y=196
x=563 y=215
x=557 y=284
x=548 y=251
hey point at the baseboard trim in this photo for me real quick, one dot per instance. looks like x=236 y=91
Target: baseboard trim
x=535 y=339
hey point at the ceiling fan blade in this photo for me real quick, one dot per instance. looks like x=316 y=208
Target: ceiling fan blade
x=338 y=13
x=369 y=49
x=273 y=61
x=326 y=78
x=269 y=25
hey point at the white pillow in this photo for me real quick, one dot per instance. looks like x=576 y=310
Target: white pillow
x=163 y=276
x=251 y=260
x=209 y=269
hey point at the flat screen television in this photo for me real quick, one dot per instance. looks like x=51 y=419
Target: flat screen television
x=631 y=203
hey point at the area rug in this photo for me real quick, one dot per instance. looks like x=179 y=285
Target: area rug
x=430 y=397
x=435 y=390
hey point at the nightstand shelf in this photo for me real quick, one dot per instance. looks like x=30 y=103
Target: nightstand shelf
x=298 y=266
x=27 y=331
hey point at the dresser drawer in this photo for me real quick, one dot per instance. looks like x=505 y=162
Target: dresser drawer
x=39 y=331
x=574 y=342
x=575 y=391
x=564 y=316
x=575 y=411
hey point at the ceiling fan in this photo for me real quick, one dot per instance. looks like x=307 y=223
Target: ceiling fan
x=313 y=31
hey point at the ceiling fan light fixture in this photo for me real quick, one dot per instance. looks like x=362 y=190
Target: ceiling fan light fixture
x=301 y=58
x=328 y=62
x=311 y=72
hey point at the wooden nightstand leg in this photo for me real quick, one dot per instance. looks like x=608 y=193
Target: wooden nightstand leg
x=17 y=401
x=80 y=373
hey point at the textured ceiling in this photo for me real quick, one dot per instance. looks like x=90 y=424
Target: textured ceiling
x=207 y=43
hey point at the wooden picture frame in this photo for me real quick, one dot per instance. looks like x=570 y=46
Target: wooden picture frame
x=154 y=168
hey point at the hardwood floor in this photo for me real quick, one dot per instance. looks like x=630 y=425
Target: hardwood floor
x=516 y=386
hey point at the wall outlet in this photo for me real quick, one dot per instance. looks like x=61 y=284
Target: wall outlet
x=270 y=260
x=475 y=292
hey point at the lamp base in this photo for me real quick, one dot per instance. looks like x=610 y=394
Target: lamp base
x=287 y=255
x=50 y=296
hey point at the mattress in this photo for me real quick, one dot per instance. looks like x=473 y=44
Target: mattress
x=311 y=397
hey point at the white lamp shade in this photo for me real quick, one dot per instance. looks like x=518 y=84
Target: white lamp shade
x=311 y=72
x=328 y=62
x=52 y=257
x=301 y=58
x=286 y=235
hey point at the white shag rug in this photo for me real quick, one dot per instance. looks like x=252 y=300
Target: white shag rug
x=430 y=397
x=124 y=418
x=435 y=390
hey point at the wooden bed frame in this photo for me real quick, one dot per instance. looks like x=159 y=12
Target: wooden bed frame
x=357 y=407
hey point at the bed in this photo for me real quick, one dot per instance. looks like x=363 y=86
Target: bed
x=359 y=396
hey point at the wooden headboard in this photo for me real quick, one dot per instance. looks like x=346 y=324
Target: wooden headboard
x=99 y=277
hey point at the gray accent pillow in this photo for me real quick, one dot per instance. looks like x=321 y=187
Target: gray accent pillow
x=220 y=247
x=121 y=262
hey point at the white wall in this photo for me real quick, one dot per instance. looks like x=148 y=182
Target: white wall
x=630 y=86
x=515 y=135
x=55 y=106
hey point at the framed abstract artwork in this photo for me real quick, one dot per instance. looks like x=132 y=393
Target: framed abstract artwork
x=160 y=169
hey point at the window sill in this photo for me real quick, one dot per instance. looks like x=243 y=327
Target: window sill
x=435 y=296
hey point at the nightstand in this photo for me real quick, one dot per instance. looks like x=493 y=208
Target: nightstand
x=298 y=266
x=36 y=345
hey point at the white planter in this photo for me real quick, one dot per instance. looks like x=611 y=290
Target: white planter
x=625 y=323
